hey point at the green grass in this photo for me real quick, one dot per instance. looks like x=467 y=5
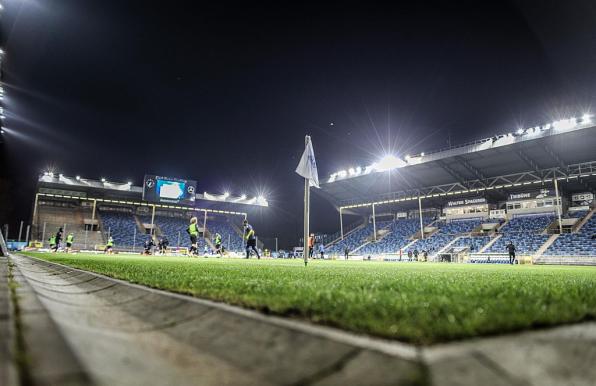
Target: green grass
x=422 y=303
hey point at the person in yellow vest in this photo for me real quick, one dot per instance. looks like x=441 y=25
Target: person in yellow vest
x=110 y=246
x=69 y=241
x=193 y=232
x=52 y=241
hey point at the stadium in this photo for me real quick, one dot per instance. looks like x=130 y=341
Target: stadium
x=262 y=195
x=533 y=188
x=409 y=281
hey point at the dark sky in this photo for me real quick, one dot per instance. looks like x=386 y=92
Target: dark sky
x=225 y=94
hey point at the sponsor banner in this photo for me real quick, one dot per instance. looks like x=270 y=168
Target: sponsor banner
x=532 y=195
x=467 y=201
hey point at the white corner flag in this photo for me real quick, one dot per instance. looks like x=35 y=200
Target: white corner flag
x=307 y=167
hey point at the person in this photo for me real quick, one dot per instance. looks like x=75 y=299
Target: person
x=58 y=239
x=109 y=246
x=400 y=254
x=193 y=232
x=511 y=250
x=322 y=251
x=205 y=250
x=409 y=255
x=163 y=245
x=52 y=241
x=218 y=245
x=251 y=240
x=69 y=241
x=311 y=245
x=416 y=253
x=346 y=253
x=149 y=244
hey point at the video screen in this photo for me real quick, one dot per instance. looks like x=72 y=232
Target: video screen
x=169 y=190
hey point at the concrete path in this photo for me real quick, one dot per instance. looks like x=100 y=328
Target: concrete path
x=83 y=328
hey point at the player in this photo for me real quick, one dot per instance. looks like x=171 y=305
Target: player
x=52 y=241
x=193 y=232
x=58 y=239
x=149 y=244
x=219 y=250
x=109 y=246
x=251 y=240
x=163 y=245
x=69 y=241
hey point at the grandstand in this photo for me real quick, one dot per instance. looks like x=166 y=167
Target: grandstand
x=95 y=210
x=533 y=187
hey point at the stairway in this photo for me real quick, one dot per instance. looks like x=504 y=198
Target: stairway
x=490 y=243
x=358 y=248
x=546 y=244
x=447 y=246
x=346 y=234
x=584 y=221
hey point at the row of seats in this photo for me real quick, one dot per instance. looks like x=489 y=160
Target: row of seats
x=448 y=231
x=122 y=226
x=582 y=243
x=356 y=238
x=473 y=243
x=400 y=233
x=525 y=232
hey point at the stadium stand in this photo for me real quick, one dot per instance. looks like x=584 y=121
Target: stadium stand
x=399 y=235
x=526 y=233
x=232 y=239
x=71 y=217
x=473 y=243
x=580 y=243
x=174 y=228
x=356 y=238
x=122 y=226
x=448 y=231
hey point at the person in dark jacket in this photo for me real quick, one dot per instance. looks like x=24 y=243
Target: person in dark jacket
x=511 y=250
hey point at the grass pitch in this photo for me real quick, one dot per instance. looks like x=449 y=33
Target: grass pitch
x=421 y=303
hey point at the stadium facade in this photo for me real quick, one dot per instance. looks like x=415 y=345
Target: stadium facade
x=533 y=187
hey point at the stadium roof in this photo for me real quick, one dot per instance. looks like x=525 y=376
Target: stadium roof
x=489 y=167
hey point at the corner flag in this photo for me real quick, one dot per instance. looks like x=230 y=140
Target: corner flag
x=307 y=167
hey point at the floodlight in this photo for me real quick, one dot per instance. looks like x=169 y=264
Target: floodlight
x=586 y=118
x=422 y=154
x=243 y=197
x=103 y=180
x=60 y=175
x=389 y=162
x=129 y=183
x=1 y=131
x=78 y=178
x=260 y=198
x=565 y=124
x=519 y=131
x=226 y=194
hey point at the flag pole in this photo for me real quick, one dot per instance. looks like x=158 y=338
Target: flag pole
x=305 y=250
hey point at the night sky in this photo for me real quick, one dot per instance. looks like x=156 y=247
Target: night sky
x=224 y=95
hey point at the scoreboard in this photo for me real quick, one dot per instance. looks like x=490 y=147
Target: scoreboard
x=169 y=190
